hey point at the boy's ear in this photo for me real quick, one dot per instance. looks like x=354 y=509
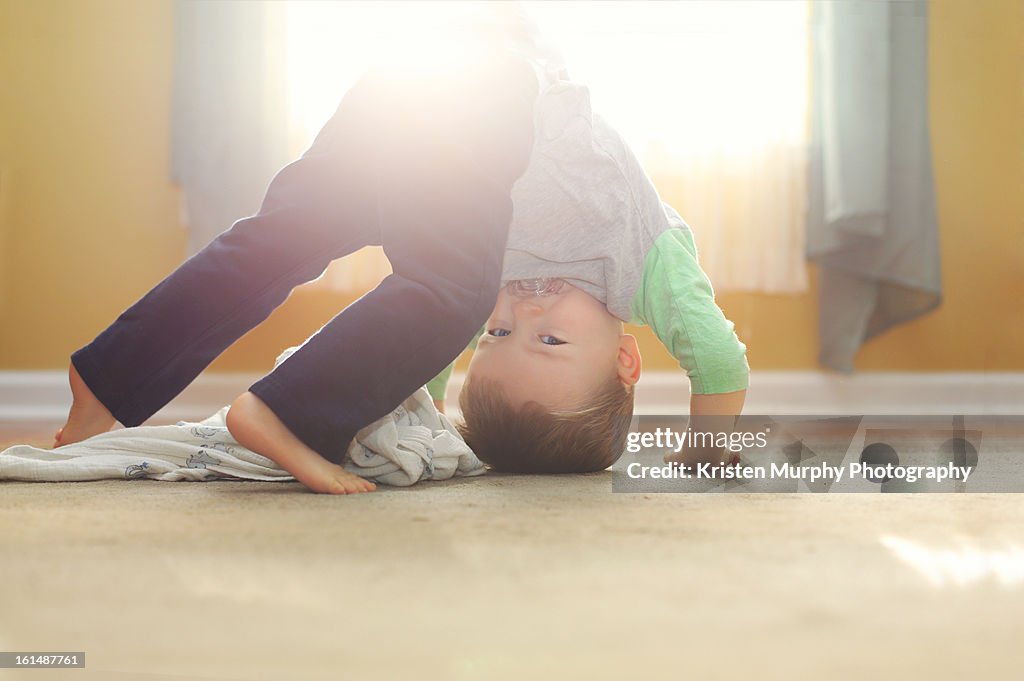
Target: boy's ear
x=628 y=360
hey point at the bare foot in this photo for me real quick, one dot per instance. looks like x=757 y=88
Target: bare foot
x=87 y=417
x=255 y=426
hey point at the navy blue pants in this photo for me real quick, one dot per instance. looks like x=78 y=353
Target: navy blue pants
x=421 y=167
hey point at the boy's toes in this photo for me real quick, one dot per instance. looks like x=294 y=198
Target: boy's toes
x=355 y=485
x=343 y=482
x=57 y=436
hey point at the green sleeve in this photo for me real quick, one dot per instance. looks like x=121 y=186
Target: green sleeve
x=438 y=385
x=677 y=301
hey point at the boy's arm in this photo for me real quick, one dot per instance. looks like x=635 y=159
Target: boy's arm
x=677 y=301
x=713 y=413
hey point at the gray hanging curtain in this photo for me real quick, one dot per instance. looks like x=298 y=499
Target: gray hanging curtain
x=871 y=227
x=229 y=110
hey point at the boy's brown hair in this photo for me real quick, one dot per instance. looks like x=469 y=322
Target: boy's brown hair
x=532 y=439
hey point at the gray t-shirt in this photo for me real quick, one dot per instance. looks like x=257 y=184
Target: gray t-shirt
x=584 y=210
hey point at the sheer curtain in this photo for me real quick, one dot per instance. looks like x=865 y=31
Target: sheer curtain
x=872 y=222
x=229 y=110
x=712 y=97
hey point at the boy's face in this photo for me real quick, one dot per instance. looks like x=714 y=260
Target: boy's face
x=556 y=350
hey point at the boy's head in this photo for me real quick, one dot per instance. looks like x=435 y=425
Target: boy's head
x=550 y=386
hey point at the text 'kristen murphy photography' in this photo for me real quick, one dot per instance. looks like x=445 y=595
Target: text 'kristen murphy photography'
x=788 y=454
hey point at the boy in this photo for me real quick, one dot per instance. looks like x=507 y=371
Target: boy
x=441 y=294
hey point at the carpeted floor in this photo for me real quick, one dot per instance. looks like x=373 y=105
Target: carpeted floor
x=505 y=578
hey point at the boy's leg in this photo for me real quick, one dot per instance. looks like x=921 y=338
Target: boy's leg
x=445 y=208
x=317 y=209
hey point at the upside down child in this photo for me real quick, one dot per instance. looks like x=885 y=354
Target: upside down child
x=489 y=183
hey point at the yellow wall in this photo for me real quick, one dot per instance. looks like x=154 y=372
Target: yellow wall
x=89 y=220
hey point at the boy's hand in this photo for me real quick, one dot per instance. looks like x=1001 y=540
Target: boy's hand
x=440 y=405
x=692 y=456
x=715 y=413
x=696 y=456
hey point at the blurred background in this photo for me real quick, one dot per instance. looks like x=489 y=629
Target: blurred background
x=854 y=176
x=132 y=132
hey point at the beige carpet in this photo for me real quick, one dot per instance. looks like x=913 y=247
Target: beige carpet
x=503 y=578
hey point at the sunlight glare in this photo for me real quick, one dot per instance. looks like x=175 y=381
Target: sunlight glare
x=689 y=78
x=330 y=44
x=961 y=565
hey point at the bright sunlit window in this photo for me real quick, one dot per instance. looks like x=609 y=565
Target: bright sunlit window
x=330 y=44
x=674 y=77
x=712 y=94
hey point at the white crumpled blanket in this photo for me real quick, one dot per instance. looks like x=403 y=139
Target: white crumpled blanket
x=414 y=442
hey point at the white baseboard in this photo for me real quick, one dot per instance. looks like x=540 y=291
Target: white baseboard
x=45 y=396
x=873 y=393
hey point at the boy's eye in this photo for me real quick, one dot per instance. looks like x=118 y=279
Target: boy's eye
x=551 y=340
x=500 y=333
